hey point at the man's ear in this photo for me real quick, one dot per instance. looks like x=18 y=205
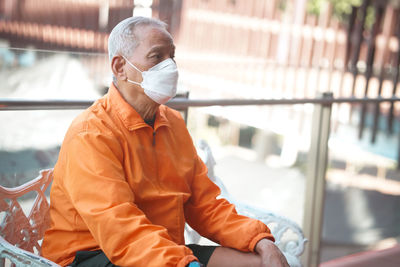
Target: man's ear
x=117 y=67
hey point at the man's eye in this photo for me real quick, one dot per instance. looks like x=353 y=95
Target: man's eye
x=156 y=56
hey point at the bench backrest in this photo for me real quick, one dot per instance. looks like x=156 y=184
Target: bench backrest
x=25 y=229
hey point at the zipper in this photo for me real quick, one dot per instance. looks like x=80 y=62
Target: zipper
x=156 y=181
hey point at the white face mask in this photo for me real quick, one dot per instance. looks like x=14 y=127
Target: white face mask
x=160 y=81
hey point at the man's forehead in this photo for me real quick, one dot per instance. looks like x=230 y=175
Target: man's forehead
x=153 y=35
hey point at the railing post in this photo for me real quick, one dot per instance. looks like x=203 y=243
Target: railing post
x=315 y=183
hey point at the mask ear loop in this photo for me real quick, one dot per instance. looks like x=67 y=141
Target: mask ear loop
x=134 y=68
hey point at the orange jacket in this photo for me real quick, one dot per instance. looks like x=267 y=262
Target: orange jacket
x=127 y=189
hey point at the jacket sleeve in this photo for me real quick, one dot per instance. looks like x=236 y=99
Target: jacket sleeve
x=95 y=182
x=217 y=219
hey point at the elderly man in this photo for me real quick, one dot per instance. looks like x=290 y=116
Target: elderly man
x=128 y=177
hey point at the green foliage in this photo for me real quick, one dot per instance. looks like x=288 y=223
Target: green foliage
x=370 y=19
x=282 y=4
x=342 y=8
x=314 y=6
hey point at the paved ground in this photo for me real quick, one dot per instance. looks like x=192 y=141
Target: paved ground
x=355 y=219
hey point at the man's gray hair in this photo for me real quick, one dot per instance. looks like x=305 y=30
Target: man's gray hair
x=122 y=39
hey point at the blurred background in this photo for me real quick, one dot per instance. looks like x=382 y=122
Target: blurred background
x=232 y=49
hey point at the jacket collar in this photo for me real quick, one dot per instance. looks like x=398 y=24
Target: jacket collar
x=129 y=116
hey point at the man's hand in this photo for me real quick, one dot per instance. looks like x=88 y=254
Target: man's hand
x=270 y=254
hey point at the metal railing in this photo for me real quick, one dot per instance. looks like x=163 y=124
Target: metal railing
x=183 y=103
x=318 y=153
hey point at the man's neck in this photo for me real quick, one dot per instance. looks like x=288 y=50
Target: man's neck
x=143 y=105
x=146 y=111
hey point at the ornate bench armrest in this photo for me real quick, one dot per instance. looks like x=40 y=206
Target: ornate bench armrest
x=22 y=258
x=288 y=235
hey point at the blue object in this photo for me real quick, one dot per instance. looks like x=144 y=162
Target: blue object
x=194 y=264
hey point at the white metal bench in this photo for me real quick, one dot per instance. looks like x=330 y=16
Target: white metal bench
x=21 y=234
